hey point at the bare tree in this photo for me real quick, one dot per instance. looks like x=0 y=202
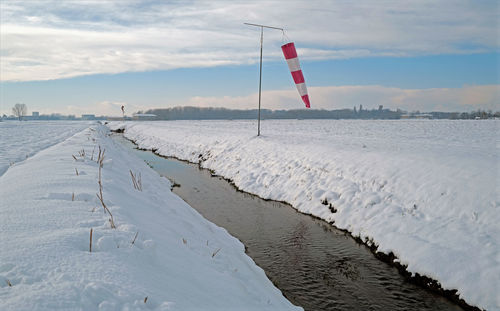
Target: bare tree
x=20 y=110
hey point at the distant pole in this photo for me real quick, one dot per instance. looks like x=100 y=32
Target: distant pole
x=260 y=73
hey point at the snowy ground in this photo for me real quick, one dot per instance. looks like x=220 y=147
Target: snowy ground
x=428 y=191
x=178 y=261
x=23 y=139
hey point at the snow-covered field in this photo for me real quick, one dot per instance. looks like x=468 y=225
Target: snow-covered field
x=20 y=140
x=162 y=255
x=426 y=190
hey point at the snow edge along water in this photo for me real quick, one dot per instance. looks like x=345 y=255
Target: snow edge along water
x=200 y=152
x=391 y=259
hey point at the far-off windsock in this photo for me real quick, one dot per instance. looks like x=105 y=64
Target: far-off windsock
x=293 y=63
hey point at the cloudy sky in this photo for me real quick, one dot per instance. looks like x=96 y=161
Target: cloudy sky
x=76 y=57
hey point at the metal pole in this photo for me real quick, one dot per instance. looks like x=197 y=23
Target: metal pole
x=258 y=25
x=260 y=73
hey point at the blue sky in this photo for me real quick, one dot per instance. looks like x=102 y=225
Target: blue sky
x=92 y=57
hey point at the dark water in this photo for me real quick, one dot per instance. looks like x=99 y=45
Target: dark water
x=312 y=263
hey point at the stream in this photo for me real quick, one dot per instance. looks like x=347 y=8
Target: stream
x=315 y=265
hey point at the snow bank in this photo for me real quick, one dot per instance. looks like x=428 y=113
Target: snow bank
x=21 y=140
x=425 y=190
x=178 y=261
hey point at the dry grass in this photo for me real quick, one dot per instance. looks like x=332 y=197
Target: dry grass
x=136 y=180
x=100 y=156
x=106 y=210
x=73 y=196
x=133 y=241
x=215 y=253
x=184 y=241
x=90 y=245
x=81 y=154
x=100 y=161
x=145 y=299
x=8 y=283
x=76 y=170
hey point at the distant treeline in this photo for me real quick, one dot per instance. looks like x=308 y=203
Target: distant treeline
x=198 y=113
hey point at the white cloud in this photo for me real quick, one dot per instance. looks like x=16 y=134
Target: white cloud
x=467 y=98
x=58 y=39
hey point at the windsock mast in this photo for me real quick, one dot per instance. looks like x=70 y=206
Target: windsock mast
x=260 y=74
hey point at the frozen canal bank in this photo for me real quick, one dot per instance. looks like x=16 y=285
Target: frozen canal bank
x=161 y=255
x=315 y=265
x=424 y=190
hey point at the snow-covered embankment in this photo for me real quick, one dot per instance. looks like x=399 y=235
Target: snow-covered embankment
x=426 y=191
x=162 y=255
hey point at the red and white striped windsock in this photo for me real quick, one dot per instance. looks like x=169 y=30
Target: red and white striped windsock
x=293 y=63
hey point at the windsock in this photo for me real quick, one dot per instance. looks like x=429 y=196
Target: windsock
x=293 y=63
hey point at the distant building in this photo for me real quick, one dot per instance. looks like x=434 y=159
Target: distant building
x=88 y=116
x=143 y=116
x=115 y=118
x=35 y=114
